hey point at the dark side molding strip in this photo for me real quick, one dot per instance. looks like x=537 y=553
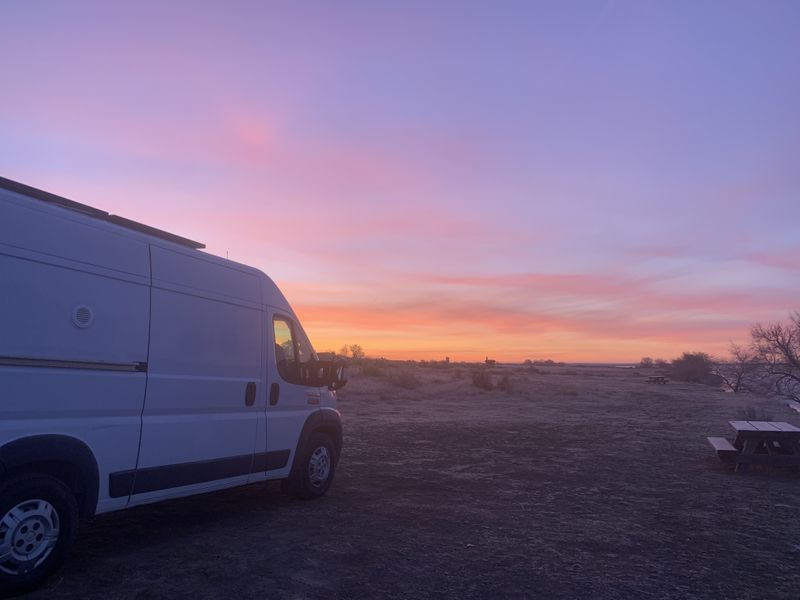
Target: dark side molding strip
x=152 y=479
x=15 y=361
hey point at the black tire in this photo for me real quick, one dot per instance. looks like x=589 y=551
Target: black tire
x=17 y=575
x=307 y=485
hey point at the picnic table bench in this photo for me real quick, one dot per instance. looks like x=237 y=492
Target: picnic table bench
x=760 y=442
x=660 y=379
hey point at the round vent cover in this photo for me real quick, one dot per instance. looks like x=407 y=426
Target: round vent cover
x=82 y=316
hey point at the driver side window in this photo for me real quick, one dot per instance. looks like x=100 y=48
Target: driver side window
x=294 y=356
x=284 y=349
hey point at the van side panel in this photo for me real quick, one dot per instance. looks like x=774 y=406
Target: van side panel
x=205 y=348
x=36 y=313
x=56 y=377
x=100 y=408
x=205 y=275
x=61 y=233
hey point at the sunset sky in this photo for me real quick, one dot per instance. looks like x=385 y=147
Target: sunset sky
x=581 y=181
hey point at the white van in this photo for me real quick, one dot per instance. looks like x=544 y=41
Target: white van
x=135 y=368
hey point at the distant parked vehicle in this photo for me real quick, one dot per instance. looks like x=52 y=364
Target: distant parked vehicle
x=135 y=368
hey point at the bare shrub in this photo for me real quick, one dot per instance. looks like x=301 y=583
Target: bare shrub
x=504 y=385
x=738 y=371
x=777 y=347
x=646 y=363
x=694 y=367
x=372 y=370
x=458 y=373
x=481 y=379
x=531 y=367
x=404 y=378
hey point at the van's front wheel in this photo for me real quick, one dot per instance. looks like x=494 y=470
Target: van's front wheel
x=38 y=521
x=316 y=467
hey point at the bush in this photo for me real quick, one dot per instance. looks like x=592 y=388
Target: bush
x=505 y=384
x=646 y=363
x=404 y=378
x=530 y=366
x=372 y=370
x=481 y=379
x=694 y=367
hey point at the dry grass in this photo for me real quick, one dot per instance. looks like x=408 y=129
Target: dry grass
x=584 y=485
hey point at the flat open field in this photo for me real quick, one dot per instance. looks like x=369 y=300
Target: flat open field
x=581 y=483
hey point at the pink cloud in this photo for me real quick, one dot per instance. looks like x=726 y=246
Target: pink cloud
x=788 y=259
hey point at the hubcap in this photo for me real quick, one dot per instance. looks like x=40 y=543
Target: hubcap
x=319 y=466
x=28 y=534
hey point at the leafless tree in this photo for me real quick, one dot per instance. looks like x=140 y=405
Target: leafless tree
x=738 y=371
x=777 y=347
x=356 y=351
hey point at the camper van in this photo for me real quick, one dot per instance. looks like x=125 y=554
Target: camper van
x=136 y=368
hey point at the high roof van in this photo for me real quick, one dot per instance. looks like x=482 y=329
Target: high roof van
x=135 y=368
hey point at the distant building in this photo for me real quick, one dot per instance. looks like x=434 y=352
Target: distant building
x=490 y=362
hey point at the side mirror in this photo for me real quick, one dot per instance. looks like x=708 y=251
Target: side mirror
x=337 y=379
x=330 y=373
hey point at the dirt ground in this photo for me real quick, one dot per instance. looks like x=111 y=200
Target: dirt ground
x=580 y=483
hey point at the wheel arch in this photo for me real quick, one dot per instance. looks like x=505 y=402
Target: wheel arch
x=64 y=457
x=324 y=420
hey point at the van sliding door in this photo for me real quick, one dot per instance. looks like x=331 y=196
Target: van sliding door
x=204 y=391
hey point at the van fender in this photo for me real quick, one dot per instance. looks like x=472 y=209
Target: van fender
x=62 y=456
x=326 y=420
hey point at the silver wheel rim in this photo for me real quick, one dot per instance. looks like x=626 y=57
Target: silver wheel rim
x=319 y=466
x=28 y=534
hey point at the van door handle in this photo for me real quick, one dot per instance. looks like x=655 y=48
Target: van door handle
x=250 y=393
x=274 y=393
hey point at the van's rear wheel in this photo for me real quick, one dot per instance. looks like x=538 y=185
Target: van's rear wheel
x=317 y=467
x=38 y=521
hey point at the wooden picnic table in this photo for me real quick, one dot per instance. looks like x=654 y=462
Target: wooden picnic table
x=660 y=379
x=772 y=443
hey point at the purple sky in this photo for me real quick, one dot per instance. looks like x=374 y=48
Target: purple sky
x=575 y=180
